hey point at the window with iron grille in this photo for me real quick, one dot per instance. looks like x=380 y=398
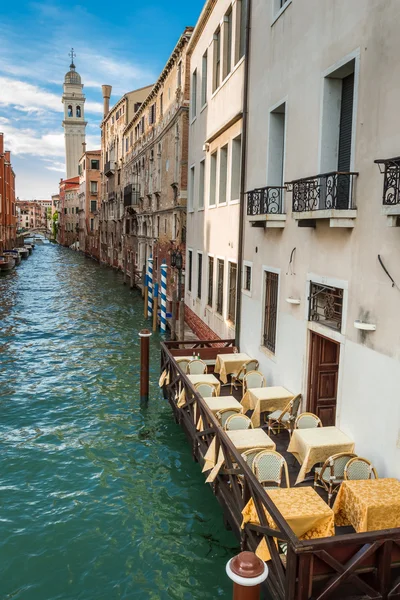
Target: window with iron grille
x=210 y=281
x=199 y=273
x=190 y=261
x=220 y=285
x=232 y=292
x=326 y=305
x=270 y=310
x=247 y=278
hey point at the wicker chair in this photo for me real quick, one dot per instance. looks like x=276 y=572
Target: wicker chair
x=307 y=420
x=237 y=378
x=331 y=475
x=196 y=367
x=207 y=390
x=253 y=379
x=268 y=467
x=238 y=421
x=359 y=468
x=225 y=413
x=284 y=418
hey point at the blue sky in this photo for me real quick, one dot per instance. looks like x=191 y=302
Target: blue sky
x=123 y=43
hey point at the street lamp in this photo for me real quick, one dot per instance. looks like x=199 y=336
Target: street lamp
x=177 y=263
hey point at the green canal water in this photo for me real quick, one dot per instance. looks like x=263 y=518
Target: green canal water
x=99 y=496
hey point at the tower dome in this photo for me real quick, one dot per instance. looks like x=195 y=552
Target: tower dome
x=72 y=76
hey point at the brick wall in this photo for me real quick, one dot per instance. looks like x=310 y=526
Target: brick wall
x=198 y=326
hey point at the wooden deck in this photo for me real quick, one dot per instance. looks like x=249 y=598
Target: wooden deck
x=348 y=566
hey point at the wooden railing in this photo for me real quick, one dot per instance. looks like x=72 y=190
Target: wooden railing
x=345 y=566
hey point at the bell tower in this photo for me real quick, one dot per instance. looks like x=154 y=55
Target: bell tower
x=74 y=122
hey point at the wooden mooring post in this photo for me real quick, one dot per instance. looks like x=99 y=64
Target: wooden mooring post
x=247 y=572
x=145 y=336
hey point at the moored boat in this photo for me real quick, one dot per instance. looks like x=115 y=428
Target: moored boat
x=15 y=255
x=24 y=252
x=7 y=263
x=29 y=247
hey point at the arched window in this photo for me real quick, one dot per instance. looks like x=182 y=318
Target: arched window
x=70 y=111
x=78 y=111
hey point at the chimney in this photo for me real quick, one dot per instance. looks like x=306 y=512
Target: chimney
x=83 y=147
x=106 y=89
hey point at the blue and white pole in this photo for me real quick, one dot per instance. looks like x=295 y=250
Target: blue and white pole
x=150 y=287
x=163 y=320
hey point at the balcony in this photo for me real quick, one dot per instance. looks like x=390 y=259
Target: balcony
x=390 y=168
x=326 y=196
x=109 y=168
x=265 y=207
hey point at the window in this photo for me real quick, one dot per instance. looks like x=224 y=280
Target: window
x=93 y=206
x=217 y=59
x=179 y=76
x=204 y=70
x=78 y=111
x=161 y=104
x=70 y=114
x=227 y=56
x=247 y=278
x=199 y=273
x=194 y=94
x=95 y=164
x=326 y=305
x=213 y=179
x=152 y=114
x=93 y=187
x=191 y=189
x=270 y=310
x=223 y=168
x=127 y=226
x=232 y=291
x=190 y=262
x=201 y=184
x=276 y=146
x=91 y=224
x=236 y=167
x=220 y=285
x=210 y=292
x=241 y=28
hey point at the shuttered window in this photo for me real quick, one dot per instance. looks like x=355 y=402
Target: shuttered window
x=345 y=135
x=210 y=281
x=270 y=309
x=232 y=292
x=190 y=270
x=220 y=285
x=199 y=274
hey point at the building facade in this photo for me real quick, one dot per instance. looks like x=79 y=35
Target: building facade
x=8 y=215
x=320 y=276
x=68 y=224
x=74 y=122
x=89 y=203
x=32 y=214
x=216 y=52
x=154 y=174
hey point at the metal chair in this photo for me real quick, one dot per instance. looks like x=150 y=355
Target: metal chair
x=183 y=363
x=359 y=468
x=237 y=378
x=253 y=379
x=225 y=413
x=284 y=418
x=207 y=390
x=196 y=367
x=249 y=455
x=331 y=474
x=238 y=421
x=307 y=420
x=268 y=467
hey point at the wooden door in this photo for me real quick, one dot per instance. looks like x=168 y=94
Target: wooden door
x=323 y=378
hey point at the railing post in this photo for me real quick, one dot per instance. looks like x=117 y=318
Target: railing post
x=247 y=572
x=144 y=335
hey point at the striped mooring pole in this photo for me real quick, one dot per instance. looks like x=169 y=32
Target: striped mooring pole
x=163 y=319
x=150 y=288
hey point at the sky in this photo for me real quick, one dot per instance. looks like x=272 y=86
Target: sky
x=124 y=44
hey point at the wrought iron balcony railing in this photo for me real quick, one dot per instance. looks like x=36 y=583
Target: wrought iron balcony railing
x=323 y=192
x=265 y=201
x=391 y=183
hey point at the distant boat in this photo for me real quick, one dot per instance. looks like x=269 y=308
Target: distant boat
x=29 y=247
x=7 y=263
x=24 y=252
x=15 y=255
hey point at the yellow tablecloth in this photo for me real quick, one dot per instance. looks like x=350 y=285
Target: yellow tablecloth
x=229 y=363
x=243 y=439
x=204 y=378
x=219 y=403
x=368 y=505
x=312 y=446
x=303 y=509
x=265 y=399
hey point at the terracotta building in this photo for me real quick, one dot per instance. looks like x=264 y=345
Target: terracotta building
x=154 y=175
x=89 y=202
x=69 y=207
x=31 y=214
x=8 y=215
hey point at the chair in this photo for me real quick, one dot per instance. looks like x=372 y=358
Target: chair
x=196 y=367
x=284 y=418
x=307 y=421
x=225 y=413
x=249 y=455
x=253 y=379
x=238 y=421
x=183 y=363
x=359 y=468
x=268 y=467
x=331 y=474
x=237 y=378
x=207 y=390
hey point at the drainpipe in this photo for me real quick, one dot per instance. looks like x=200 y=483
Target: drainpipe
x=243 y=176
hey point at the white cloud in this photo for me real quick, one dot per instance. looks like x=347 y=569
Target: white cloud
x=27 y=97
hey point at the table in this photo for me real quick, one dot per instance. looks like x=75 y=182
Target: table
x=304 y=510
x=205 y=378
x=265 y=399
x=243 y=439
x=311 y=446
x=217 y=403
x=368 y=505
x=229 y=363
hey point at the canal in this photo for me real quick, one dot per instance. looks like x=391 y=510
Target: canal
x=99 y=496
